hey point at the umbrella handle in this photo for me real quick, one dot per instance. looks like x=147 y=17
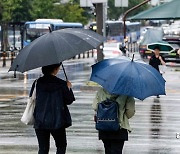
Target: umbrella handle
x=15 y=71
x=132 y=57
x=50 y=30
x=64 y=72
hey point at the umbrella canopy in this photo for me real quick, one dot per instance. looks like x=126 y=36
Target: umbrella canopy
x=55 y=47
x=127 y=77
x=169 y=10
x=163 y=46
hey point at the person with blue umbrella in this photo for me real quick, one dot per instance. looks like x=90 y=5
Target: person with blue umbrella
x=124 y=79
x=114 y=140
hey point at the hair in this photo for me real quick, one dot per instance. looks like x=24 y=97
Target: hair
x=157 y=47
x=47 y=70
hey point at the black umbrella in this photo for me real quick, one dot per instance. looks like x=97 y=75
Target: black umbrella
x=55 y=47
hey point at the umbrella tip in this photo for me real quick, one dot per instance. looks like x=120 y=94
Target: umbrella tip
x=50 y=30
x=132 y=57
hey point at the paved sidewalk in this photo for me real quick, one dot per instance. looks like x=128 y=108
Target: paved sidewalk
x=155 y=123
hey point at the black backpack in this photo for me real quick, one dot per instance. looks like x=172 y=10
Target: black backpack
x=107 y=116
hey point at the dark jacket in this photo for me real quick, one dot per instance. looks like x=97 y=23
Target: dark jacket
x=52 y=98
x=155 y=62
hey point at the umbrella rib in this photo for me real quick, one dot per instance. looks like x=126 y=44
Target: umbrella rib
x=86 y=36
x=121 y=72
x=90 y=37
x=150 y=73
x=29 y=53
x=54 y=48
x=139 y=78
x=38 y=39
x=69 y=43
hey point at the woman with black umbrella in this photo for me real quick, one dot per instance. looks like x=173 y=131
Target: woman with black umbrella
x=51 y=113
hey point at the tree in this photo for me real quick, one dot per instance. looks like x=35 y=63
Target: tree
x=42 y=9
x=1 y=10
x=15 y=10
x=116 y=12
x=6 y=12
x=70 y=13
x=21 y=11
x=12 y=11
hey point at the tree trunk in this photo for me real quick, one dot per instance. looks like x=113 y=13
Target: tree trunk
x=4 y=41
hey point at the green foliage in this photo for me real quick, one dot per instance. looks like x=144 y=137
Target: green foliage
x=70 y=13
x=1 y=10
x=14 y=10
x=24 y=10
x=42 y=9
x=21 y=11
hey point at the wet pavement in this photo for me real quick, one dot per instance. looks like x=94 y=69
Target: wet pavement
x=155 y=124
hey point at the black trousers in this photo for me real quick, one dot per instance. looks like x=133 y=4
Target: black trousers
x=43 y=136
x=113 y=146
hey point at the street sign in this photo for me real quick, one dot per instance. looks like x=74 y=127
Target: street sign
x=121 y=3
x=99 y=1
x=86 y=3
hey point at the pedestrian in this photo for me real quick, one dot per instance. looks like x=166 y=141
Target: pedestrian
x=156 y=59
x=178 y=52
x=51 y=113
x=114 y=141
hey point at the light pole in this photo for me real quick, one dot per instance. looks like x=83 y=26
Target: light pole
x=99 y=23
x=130 y=10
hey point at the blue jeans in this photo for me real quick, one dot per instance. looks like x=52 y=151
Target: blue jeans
x=43 y=136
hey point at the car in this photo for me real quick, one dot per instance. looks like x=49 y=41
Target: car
x=168 y=56
x=112 y=50
x=173 y=56
x=17 y=42
x=152 y=35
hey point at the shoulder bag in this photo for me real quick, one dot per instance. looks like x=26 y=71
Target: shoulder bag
x=27 y=117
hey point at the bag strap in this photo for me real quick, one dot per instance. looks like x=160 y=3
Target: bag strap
x=33 y=89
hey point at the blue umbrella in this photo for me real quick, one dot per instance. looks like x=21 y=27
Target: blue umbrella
x=124 y=76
